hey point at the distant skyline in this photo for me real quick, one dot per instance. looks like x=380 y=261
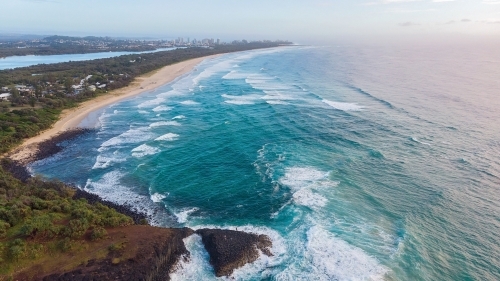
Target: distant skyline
x=322 y=21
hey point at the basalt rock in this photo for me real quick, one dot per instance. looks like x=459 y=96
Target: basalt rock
x=230 y=249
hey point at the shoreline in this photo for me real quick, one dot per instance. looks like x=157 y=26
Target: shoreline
x=71 y=118
x=228 y=249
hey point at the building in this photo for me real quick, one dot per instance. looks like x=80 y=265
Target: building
x=5 y=89
x=4 y=96
x=92 y=88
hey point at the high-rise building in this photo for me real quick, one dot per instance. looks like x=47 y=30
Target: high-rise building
x=218 y=41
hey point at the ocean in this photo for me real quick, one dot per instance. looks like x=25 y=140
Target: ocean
x=360 y=163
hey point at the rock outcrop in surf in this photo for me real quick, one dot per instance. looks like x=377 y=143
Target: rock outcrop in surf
x=230 y=249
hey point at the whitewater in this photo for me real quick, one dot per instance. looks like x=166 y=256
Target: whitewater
x=358 y=163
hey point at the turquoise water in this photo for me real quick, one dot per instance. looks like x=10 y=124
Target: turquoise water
x=359 y=163
x=24 y=61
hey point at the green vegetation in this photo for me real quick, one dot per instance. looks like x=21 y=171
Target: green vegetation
x=19 y=124
x=46 y=94
x=40 y=217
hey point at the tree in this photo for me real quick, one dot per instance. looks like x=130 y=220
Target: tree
x=15 y=97
x=32 y=101
x=38 y=91
x=67 y=84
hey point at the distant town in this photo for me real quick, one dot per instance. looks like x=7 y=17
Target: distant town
x=46 y=85
x=54 y=45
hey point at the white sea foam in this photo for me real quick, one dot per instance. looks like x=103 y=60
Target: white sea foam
x=307 y=184
x=130 y=136
x=276 y=95
x=234 y=74
x=243 y=97
x=183 y=215
x=345 y=106
x=143 y=150
x=221 y=66
x=273 y=102
x=164 y=123
x=109 y=187
x=151 y=103
x=162 y=108
x=177 y=91
x=157 y=197
x=308 y=197
x=266 y=83
x=189 y=102
x=197 y=266
x=241 y=100
x=335 y=259
x=168 y=137
x=326 y=257
x=299 y=177
x=143 y=112
x=224 y=64
x=103 y=162
x=418 y=141
x=179 y=117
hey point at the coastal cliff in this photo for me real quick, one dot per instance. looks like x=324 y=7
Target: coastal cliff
x=139 y=253
x=49 y=243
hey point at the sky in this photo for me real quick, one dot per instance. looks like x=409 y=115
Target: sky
x=299 y=21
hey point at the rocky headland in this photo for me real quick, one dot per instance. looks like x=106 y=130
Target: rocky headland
x=136 y=252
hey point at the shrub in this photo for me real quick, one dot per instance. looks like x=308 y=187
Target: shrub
x=4 y=226
x=98 y=233
x=76 y=228
x=116 y=247
x=16 y=249
x=64 y=245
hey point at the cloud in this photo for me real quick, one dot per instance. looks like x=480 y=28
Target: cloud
x=465 y=20
x=408 y=23
x=491 y=2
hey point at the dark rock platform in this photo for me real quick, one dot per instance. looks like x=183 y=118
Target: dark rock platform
x=230 y=249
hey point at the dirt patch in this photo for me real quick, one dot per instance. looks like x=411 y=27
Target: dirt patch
x=129 y=253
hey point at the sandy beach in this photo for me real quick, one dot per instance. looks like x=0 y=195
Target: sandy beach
x=71 y=118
